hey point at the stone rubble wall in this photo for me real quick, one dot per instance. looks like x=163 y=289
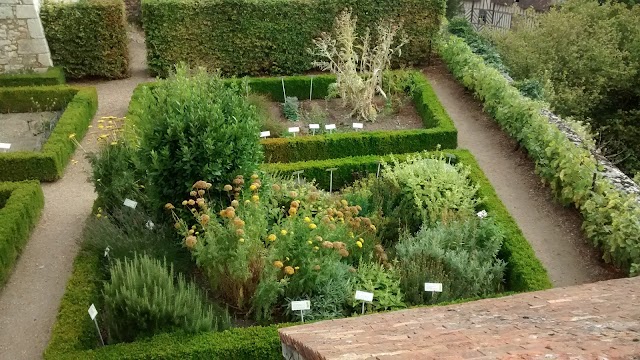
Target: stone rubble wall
x=23 y=45
x=608 y=170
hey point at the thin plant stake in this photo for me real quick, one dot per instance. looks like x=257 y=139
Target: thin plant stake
x=331 y=178
x=311 y=89
x=284 y=92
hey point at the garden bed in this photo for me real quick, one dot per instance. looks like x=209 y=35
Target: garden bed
x=27 y=131
x=74 y=334
x=77 y=106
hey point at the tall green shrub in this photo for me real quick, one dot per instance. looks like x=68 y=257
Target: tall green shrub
x=270 y=36
x=87 y=38
x=194 y=127
x=460 y=255
x=143 y=299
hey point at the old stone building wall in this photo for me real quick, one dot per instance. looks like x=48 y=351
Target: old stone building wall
x=23 y=45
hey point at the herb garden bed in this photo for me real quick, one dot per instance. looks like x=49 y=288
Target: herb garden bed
x=189 y=206
x=27 y=131
x=77 y=105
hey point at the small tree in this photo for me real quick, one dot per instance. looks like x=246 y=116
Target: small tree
x=358 y=65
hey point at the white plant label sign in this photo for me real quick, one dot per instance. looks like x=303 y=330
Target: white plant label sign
x=264 y=134
x=358 y=125
x=130 y=203
x=330 y=127
x=295 y=129
x=93 y=312
x=150 y=225
x=364 y=296
x=5 y=146
x=314 y=126
x=300 y=305
x=433 y=287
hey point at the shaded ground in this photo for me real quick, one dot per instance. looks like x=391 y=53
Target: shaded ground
x=403 y=116
x=29 y=301
x=26 y=131
x=553 y=231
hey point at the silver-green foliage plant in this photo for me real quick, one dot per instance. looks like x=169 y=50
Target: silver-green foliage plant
x=462 y=255
x=144 y=297
x=290 y=107
x=424 y=190
x=358 y=63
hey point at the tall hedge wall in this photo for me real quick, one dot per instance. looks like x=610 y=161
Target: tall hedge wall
x=251 y=37
x=87 y=38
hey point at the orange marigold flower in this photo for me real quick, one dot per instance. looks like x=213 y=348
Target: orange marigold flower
x=293 y=211
x=295 y=204
x=191 y=202
x=278 y=264
x=289 y=270
x=169 y=206
x=238 y=222
x=204 y=219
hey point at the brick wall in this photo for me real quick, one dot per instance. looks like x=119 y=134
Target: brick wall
x=23 y=45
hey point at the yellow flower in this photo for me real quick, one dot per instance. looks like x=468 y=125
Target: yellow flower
x=361 y=240
x=309 y=242
x=191 y=202
x=351 y=234
x=247 y=202
x=297 y=268
x=191 y=241
x=319 y=238
x=253 y=187
x=289 y=270
x=201 y=192
x=184 y=203
x=201 y=184
x=177 y=225
x=312 y=226
x=283 y=232
x=114 y=143
x=193 y=193
x=272 y=237
x=241 y=240
x=315 y=248
x=344 y=202
x=307 y=219
x=293 y=211
x=359 y=244
x=99 y=216
x=72 y=136
x=372 y=227
x=227 y=188
x=100 y=126
x=254 y=176
x=255 y=198
x=235 y=203
x=169 y=206
x=278 y=264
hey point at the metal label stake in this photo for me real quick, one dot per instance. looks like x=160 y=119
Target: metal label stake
x=298 y=174
x=92 y=313
x=331 y=178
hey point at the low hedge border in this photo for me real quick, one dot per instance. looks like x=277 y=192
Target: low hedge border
x=53 y=76
x=79 y=104
x=87 y=38
x=21 y=204
x=610 y=216
x=439 y=132
x=524 y=271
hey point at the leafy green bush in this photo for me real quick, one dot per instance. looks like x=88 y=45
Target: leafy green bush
x=79 y=104
x=272 y=36
x=192 y=127
x=383 y=283
x=53 y=76
x=20 y=206
x=87 y=38
x=290 y=108
x=142 y=299
x=462 y=255
x=588 y=56
x=422 y=191
x=609 y=214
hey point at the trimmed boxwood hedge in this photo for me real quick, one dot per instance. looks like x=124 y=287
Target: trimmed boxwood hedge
x=524 y=271
x=252 y=37
x=440 y=130
x=87 y=38
x=53 y=76
x=21 y=204
x=79 y=104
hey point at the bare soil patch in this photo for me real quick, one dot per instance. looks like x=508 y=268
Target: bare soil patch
x=401 y=116
x=27 y=131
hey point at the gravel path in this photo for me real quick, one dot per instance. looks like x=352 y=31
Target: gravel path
x=30 y=299
x=553 y=231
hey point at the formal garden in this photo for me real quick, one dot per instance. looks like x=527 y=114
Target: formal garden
x=300 y=156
